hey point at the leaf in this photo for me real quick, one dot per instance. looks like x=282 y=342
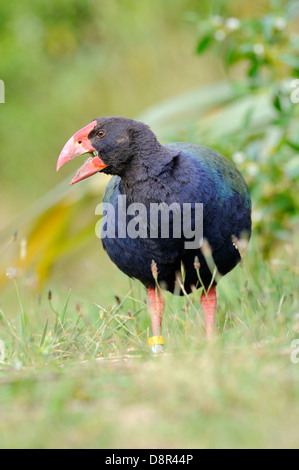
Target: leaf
x=44 y=334
x=276 y=102
x=267 y=23
x=253 y=69
x=290 y=60
x=293 y=145
x=232 y=54
x=204 y=42
x=63 y=315
x=292 y=168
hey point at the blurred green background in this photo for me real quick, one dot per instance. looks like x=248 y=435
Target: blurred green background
x=75 y=370
x=215 y=73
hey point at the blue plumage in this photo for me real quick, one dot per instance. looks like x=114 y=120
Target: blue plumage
x=194 y=174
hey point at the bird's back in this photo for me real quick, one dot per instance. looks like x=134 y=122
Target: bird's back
x=224 y=176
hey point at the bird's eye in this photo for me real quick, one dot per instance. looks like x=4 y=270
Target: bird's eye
x=101 y=133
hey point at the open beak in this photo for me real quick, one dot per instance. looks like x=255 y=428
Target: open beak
x=77 y=145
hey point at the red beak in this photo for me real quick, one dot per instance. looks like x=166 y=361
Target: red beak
x=77 y=145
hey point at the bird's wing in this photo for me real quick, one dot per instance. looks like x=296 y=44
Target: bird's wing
x=226 y=176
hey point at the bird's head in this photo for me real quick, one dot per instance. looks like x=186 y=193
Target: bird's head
x=112 y=142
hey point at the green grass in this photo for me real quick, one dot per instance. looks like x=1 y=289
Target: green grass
x=81 y=376
x=75 y=369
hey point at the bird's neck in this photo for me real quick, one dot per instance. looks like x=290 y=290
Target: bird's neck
x=147 y=177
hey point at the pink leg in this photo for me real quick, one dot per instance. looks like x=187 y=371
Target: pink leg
x=208 y=303
x=155 y=307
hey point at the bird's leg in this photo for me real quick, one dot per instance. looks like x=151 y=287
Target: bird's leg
x=155 y=307
x=208 y=303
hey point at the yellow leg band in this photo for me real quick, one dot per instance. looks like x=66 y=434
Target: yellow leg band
x=155 y=340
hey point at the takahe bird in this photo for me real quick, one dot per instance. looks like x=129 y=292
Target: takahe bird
x=146 y=172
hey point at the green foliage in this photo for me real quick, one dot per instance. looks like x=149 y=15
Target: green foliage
x=256 y=302
x=265 y=43
x=63 y=63
x=75 y=369
x=83 y=376
x=265 y=150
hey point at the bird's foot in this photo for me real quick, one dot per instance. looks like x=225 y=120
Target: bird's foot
x=156 y=344
x=157 y=349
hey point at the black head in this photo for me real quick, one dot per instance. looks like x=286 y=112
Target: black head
x=118 y=140
x=114 y=142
